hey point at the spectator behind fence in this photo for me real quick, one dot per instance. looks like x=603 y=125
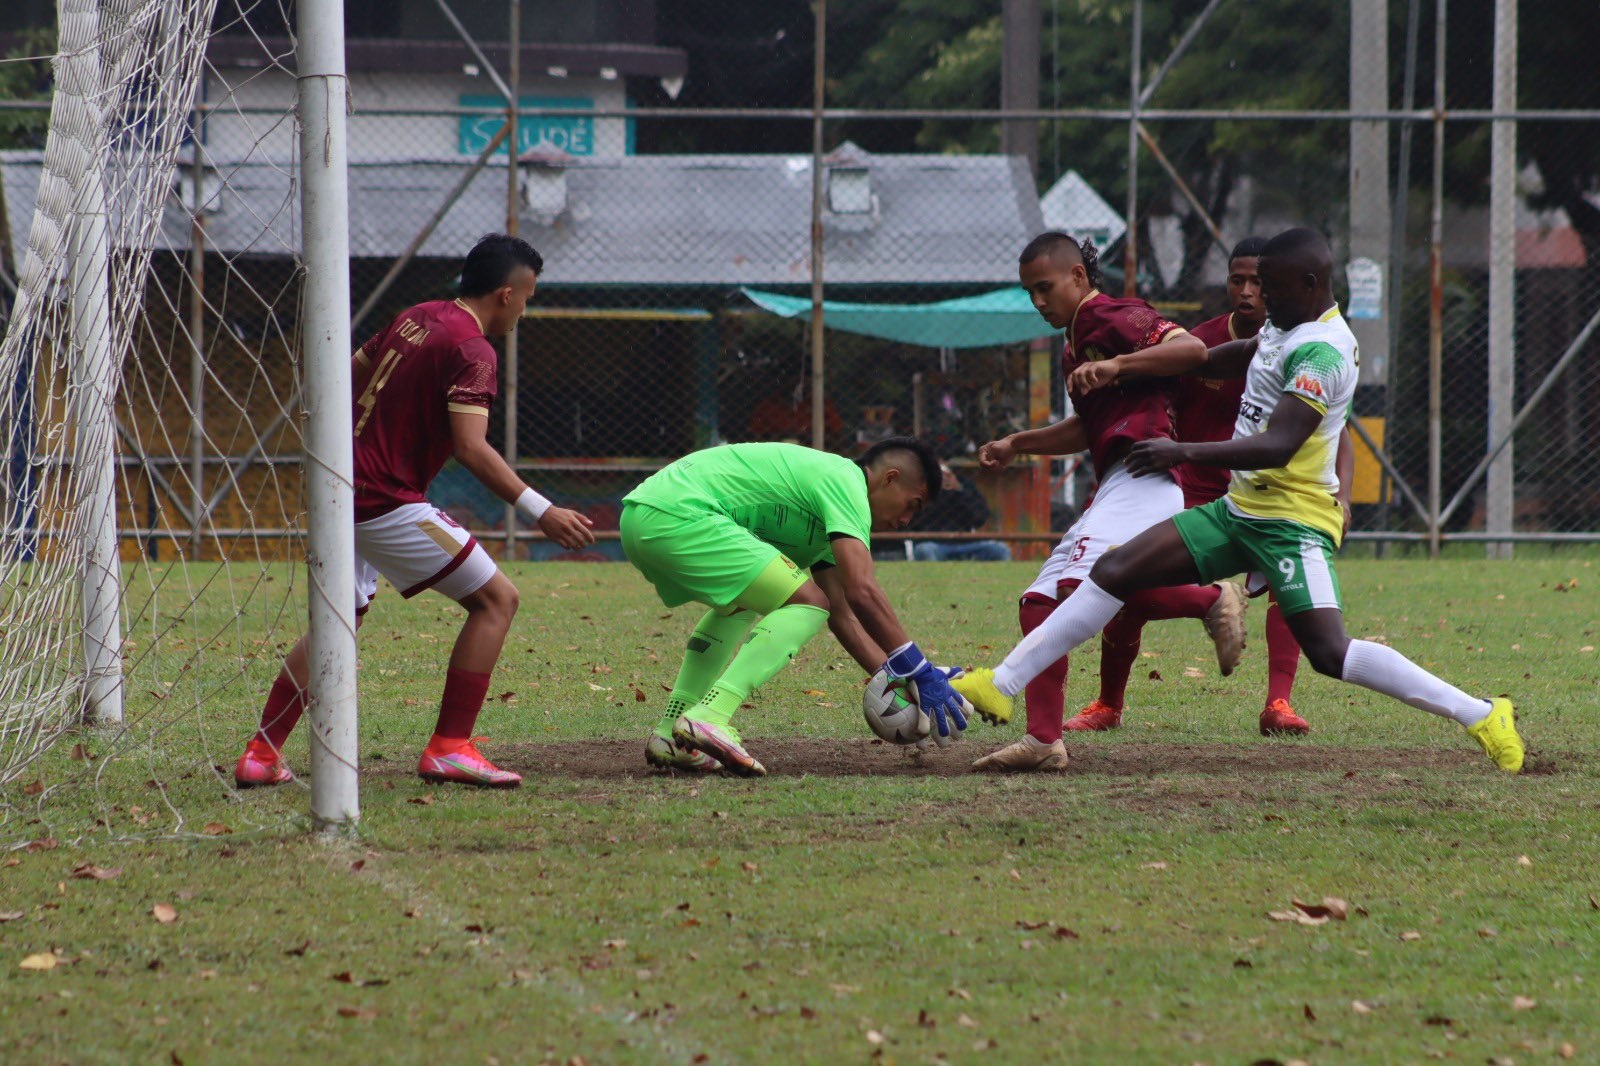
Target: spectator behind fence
x=959 y=508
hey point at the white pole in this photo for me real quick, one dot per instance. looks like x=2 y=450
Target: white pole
x=92 y=371
x=1502 y=278
x=325 y=339
x=93 y=377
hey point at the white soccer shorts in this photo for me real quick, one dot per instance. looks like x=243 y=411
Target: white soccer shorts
x=1124 y=507
x=418 y=547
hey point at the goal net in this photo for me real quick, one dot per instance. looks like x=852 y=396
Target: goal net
x=151 y=495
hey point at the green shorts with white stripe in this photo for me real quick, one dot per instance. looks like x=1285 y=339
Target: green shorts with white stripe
x=1296 y=559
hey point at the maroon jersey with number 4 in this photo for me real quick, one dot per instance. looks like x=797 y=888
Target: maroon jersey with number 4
x=431 y=360
x=1103 y=327
x=1206 y=411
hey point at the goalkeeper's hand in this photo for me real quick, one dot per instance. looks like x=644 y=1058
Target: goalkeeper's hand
x=934 y=694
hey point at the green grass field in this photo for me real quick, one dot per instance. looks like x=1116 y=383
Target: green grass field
x=859 y=905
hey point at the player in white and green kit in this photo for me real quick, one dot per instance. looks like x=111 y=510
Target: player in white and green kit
x=1281 y=517
x=781 y=533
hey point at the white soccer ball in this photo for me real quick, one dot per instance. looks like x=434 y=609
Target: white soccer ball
x=891 y=715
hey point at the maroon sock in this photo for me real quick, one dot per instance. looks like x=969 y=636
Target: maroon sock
x=1283 y=655
x=285 y=704
x=1119 y=650
x=1175 y=601
x=464 y=691
x=1045 y=696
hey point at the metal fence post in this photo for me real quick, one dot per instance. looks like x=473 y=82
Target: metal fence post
x=513 y=226
x=1436 y=289
x=819 y=422
x=1501 y=485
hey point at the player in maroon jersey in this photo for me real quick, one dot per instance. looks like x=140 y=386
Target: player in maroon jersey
x=1063 y=278
x=1206 y=410
x=422 y=389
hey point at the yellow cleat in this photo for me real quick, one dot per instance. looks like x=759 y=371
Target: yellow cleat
x=992 y=705
x=1498 y=736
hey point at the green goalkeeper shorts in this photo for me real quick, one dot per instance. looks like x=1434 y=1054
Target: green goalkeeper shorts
x=708 y=559
x=1296 y=559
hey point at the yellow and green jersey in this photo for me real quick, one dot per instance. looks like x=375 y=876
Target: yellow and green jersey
x=1317 y=362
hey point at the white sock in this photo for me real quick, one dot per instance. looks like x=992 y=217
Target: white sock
x=1382 y=669
x=1084 y=614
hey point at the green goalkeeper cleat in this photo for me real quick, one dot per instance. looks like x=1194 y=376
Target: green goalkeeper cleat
x=1497 y=734
x=720 y=742
x=992 y=705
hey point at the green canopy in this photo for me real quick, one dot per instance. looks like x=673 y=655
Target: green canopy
x=1005 y=316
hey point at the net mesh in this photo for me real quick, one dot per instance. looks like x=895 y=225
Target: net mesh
x=151 y=492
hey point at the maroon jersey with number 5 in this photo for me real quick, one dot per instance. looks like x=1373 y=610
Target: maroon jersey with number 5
x=1139 y=410
x=1206 y=410
x=431 y=360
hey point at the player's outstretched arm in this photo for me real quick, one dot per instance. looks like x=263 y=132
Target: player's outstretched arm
x=1288 y=427
x=1179 y=352
x=905 y=660
x=1230 y=359
x=842 y=620
x=1066 y=437
x=469 y=437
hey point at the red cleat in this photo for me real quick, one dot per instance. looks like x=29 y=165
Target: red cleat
x=1279 y=720
x=260 y=765
x=458 y=762
x=1095 y=718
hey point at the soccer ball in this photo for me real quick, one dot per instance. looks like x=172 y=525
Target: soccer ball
x=891 y=715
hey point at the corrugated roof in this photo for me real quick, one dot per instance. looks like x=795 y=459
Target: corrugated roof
x=653 y=220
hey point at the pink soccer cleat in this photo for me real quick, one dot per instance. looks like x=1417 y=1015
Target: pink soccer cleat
x=261 y=765
x=458 y=762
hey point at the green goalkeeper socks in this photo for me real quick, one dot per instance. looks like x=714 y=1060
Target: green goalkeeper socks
x=711 y=648
x=775 y=640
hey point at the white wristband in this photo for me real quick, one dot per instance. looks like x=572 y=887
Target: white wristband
x=532 y=505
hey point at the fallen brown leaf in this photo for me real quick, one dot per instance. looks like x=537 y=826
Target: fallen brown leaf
x=638 y=694
x=749 y=867
x=1030 y=926
x=1297 y=916
x=965 y=1022
x=1523 y=860
x=164 y=913
x=1063 y=933
x=1523 y=1003
x=1157 y=865
x=215 y=829
x=11 y=916
x=1487 y=933
x=42 y=844
x=97 y=873
x=925 y=1020
x=43 y=961
x=1567 y=1050
x=1360 y=1006
x=874 y=1037
x=81 y=753
x=34 y=787
x=1330 y=907
x=807 y=1013
x=1410 y=935
x=365 y=1014
x=1310 y=1015
x=424 y=800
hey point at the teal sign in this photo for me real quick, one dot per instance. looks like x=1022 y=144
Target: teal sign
x=575 y=135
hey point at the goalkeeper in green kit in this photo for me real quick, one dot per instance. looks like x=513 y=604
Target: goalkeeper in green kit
x=737 y=528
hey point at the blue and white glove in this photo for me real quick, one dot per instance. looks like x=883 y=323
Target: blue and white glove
x=933 y=692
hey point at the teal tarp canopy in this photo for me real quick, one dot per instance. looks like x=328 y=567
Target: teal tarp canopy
x=1005 y=316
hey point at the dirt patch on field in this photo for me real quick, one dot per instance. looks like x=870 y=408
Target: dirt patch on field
x=616 y=760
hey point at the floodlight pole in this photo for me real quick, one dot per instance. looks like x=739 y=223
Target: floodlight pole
x=819 y=422
x=1130 y=249
x=325 y=341
x=1436 y=291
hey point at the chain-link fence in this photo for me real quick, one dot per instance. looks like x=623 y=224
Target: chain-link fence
x=675 y=309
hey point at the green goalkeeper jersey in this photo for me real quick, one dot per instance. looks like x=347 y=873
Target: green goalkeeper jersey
x=792 y=497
